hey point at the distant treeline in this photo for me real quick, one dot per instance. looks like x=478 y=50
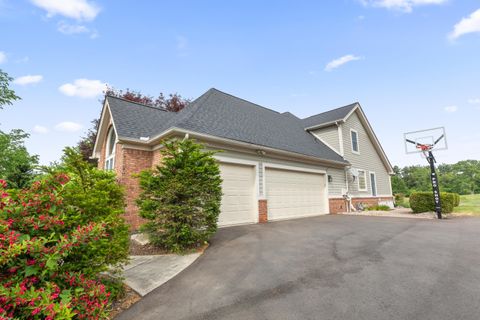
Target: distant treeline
x=462 y=177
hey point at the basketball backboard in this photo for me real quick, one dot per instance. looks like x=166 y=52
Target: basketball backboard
x=425 y=140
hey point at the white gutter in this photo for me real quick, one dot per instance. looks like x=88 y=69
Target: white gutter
x=231 y=142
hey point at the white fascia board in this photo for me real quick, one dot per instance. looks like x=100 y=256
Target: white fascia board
x=102 y=127
x=176 y=130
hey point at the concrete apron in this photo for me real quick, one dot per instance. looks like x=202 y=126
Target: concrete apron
x=146 y=273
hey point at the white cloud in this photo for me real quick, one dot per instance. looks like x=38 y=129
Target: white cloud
x=400 y=5
x=40 y=129
x=29 y=79
x=68 y=126
x=75 y=9
x=470 y=24
x=450 y=109
x=83 y=88
x=66 y=28
x=474 y=101
x=341 y=61
x=3 y=57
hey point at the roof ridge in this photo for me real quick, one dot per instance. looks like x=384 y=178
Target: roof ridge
x=135 y=102
x=255 y=104
x=348 y=105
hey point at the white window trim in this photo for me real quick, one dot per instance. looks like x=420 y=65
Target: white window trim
x=358 y=180
x=110 y=158
x=358 y=141
x=376 y=184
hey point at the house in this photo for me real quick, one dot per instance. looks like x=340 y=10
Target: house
x=274 y=165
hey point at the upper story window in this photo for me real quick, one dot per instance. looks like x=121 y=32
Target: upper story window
x=110 y=150
x=354 y=139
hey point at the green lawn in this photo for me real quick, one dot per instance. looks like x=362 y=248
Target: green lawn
x=469 y=205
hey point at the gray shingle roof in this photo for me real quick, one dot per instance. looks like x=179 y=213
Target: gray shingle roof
x=222 y=115
x=329 y=116
x=134 y=120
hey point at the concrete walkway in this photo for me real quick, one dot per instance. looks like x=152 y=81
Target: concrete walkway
x=146 y=273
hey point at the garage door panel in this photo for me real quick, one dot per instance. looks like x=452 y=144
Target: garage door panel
x=293 y=194
x=238 y=189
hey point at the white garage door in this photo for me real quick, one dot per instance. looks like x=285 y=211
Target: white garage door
x=294 y=194
x=238 y=200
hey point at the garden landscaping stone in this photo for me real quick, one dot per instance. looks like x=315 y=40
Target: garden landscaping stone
x=395 y=213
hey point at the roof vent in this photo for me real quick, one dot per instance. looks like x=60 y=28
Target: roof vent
x=144 y=138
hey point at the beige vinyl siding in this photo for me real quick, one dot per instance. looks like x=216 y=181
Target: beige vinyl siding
x=329 y=135
x=337 y=185
x=368 y=159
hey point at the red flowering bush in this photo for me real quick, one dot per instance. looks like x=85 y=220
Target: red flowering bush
x=35 y=282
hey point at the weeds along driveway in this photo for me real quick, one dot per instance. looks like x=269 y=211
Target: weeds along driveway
x=329 y=267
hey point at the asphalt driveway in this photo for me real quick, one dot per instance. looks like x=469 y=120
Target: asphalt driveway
x=329 y=267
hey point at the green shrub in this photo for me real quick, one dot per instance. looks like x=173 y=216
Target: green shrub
x=457 y=199
x=423 y=202
x=35 y=242
x=181 y=197
x=378 y=207
x=97 y=197
x=399 y=199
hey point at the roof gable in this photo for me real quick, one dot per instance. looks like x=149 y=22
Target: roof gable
x=329 y=117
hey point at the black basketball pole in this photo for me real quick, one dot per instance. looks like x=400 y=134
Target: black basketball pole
x=436 y=189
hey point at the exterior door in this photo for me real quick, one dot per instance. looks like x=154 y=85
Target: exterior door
x=373 y=183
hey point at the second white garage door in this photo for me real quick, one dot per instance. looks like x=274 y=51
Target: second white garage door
x=292 y=194
x=238 y=200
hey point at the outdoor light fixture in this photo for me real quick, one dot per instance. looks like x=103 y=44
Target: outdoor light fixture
x=330 y=178
x=261 y=152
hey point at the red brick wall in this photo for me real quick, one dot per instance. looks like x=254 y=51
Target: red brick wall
x=338 y=205
x=262 y=211
x=130 y=162
x=156 y=158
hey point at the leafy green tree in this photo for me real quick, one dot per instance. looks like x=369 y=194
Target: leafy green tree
x=98 y=198
x=7 y=95
x=16 y=164
x=181 y=197
x=398 y=184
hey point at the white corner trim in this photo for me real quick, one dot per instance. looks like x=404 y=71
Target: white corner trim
x=292 y=168
x=351 y=141
x=340 y=139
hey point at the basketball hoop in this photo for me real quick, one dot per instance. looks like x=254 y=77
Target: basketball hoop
x=424 y=142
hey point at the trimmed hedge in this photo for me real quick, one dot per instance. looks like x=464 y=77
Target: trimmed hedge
x=423 y=202
x=457 y=199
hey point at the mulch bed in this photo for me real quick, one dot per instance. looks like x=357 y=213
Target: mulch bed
x=137 y=249
x=129 y=298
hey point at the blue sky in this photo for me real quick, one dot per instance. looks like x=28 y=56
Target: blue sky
x=412 y=64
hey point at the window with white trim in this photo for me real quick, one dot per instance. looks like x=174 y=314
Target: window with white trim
x=354 y=139
x=362 y=180
x=110 y=150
